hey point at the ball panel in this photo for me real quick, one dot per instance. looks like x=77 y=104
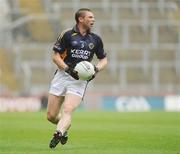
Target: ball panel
x=85 y=70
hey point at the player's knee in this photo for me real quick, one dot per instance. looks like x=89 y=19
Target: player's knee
x=68 y=110
x=51 y=117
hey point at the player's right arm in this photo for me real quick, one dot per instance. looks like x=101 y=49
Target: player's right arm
x=60 y=53
x=59 y=49
x=62 y=65
x=59 y=61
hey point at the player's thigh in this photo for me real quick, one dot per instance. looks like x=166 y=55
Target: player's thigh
x=54 y=105
x=71 y=102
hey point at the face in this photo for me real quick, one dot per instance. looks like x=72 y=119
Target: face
x=88 y=20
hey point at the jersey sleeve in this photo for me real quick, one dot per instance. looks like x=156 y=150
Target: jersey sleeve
x=61 y=43
x=100 y=53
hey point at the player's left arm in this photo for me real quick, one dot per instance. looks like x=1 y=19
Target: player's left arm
x=100 y=66
x=102 y=63
x=101 y=55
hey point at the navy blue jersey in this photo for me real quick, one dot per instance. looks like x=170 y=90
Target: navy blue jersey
x=73 y=47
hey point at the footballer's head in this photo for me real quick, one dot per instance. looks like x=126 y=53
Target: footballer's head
x=85 y=17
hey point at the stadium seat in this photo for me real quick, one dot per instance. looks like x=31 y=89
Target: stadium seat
x=40 y=30
x=8 y=77
x=137 y=32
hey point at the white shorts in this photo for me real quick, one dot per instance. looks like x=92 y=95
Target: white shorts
x=63 y=83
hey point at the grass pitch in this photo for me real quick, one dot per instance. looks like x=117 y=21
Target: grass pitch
x=93 y=133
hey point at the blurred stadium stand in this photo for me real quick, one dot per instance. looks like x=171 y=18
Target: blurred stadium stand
x=142 y=39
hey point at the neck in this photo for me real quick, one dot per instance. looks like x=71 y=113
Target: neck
x=82 y=30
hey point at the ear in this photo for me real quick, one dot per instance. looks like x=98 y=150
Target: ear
x=81 y=19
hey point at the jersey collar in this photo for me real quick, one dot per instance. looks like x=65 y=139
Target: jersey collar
x=76 y=30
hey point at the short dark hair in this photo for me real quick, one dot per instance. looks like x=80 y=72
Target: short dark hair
x=80 y=13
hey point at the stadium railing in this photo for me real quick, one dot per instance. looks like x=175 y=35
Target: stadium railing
x=143 y=21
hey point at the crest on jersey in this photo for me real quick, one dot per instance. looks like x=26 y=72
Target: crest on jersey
x=91 y=45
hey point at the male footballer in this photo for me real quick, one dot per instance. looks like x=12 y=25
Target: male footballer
x=66 y=90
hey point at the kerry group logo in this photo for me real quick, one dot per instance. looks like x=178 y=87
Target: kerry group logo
x=80 y=54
